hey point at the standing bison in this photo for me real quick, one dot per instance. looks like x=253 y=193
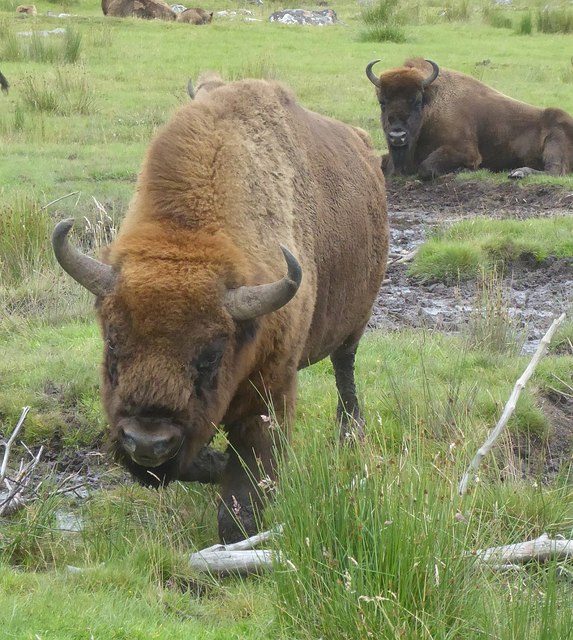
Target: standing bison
x=201 y=325
x=436 y=121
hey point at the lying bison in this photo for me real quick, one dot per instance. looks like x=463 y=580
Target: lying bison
x=148 y=9
x=195 y=16
x=4 y=84
x=201 y=325
x=436 y=121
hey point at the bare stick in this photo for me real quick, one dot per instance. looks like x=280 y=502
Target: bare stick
x=540 y=549
x=73 y=193
x=510 y=405
x=8 y=445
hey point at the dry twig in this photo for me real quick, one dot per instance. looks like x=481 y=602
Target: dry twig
x=13 y=497
x=510 y=405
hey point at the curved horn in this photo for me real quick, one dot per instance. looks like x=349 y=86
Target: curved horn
x=191 y=90
x=428 y=81
x=96 y=277
x=245 y=303
x=370 y=74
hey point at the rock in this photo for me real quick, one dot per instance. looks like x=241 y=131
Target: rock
x=302 y=16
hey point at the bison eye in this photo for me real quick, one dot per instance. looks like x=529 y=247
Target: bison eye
x=111 y=357
x=207 y=365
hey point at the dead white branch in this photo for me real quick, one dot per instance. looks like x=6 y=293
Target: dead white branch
x=14 y=499
x=510 y=405
x=12 y=489
x=237 y=558
x=8 y=445
x=541 y=549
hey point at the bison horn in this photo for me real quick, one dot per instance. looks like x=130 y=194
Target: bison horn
x=245 y=303
x=370 y=74
x=426 y=82
x=191 y=90
x=96 y=277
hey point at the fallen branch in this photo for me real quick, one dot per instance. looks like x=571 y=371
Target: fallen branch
x=15 y=496
x=510 y=556
x=238 y=558
x=12 y=498
x=510 y=405
x=400 y=258
x=8 y=445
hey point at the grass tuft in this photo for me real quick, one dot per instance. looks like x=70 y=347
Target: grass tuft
x=383 y=21
x=558 y=20
x=66 y=93
x=525 y=25
x=491 y=328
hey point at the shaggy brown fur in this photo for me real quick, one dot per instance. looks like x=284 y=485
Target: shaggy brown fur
x=458 y=122
x=235 y=172
x=195 y=16
x=138 y=9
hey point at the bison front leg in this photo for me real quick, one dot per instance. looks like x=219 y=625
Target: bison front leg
x=446 y=159
x=255 y=445
x=348 y=413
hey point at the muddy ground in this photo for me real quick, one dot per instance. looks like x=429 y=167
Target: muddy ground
x=534 y=293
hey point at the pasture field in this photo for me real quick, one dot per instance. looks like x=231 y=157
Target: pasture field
x=378 y=541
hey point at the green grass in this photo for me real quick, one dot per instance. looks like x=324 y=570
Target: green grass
x=377 y=538
x=461 y=250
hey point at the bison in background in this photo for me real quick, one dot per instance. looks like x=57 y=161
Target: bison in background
x=195 y=16
x=4 y=84
x=201 y=325
x=148 y=9
x=437 y=121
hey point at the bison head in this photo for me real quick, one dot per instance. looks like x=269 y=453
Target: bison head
x=401 y=94
x=180 y=335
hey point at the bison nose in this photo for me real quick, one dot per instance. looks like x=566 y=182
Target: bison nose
x=398 y=137
x=150 y=448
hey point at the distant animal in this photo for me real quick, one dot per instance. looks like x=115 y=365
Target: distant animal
x=201 y=325
x=30 y=9
x=4 y=84
x=138 y=9
x=195 y=16
x=436 y=121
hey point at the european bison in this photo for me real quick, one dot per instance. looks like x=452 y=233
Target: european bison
x=4 y=84
x=195 y=16
x=149 y=9
x=201 y=325
x=437 y=120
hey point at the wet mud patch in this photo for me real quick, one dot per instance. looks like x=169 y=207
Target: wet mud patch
x=534 y=292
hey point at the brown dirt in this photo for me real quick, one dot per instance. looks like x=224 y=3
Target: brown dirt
x=534 y=293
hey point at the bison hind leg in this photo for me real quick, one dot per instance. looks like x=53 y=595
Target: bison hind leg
x=349 y=416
